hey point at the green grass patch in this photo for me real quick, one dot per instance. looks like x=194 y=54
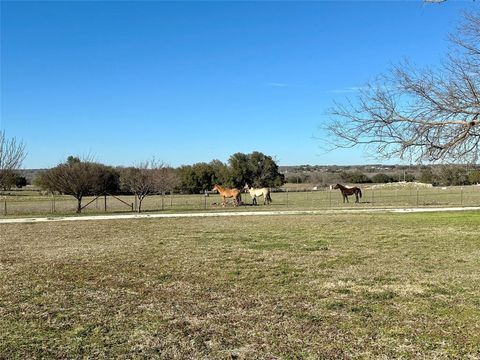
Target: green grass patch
x=310 y=287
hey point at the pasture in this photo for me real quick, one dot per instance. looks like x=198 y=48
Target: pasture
x=23 y=203
x=291 y=287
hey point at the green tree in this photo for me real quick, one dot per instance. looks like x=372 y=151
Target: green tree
x=427 y=176
x=203 y=176
x=474 y=177
x=108 y=181
x=221 y=173
x=453 y=176
x=382 y=178
x=240 y=169
x=20 y=181
x=356 y=177
x=255 y=169
x=265 y=171
x=196 y=178
x=185 y=176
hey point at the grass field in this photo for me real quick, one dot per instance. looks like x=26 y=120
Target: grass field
x=289 y=287
x=22 y=203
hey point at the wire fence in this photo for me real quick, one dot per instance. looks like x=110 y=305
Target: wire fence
x=36 y=204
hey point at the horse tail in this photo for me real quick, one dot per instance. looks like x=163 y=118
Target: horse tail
x=360 y=192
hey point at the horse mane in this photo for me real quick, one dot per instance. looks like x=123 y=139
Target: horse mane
x=220 y=188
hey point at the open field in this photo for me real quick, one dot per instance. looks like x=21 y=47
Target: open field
x=22 y=203
x=330 y=286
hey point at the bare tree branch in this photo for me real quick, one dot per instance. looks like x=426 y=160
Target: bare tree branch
x=146 y=179
x=12 y=153
x=420 y=114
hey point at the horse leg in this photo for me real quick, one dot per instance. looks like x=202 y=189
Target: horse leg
x=356 y=198
x=346 y=197
x=224 y=202
x=254 y=200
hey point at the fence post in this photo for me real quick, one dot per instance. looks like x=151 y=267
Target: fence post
x=163 y=198
x=105 y=200
x=205 y=201
x=5 y=207
x=461 y=195
x=287 y=197
x=417 y=197
x=330 y=198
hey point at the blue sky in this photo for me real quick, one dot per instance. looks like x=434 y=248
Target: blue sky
x=194 y=81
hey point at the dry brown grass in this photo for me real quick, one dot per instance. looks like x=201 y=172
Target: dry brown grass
x=293 y=287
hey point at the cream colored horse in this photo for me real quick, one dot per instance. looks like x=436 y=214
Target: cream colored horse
x=265 y=192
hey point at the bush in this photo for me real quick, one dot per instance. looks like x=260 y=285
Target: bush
x=474 y=177
x=356 y=177
x=381 y=178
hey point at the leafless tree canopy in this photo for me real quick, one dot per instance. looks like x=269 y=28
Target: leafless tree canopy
x=74 y=177
x=419 y=114
x=12 y=153
x=146 y=179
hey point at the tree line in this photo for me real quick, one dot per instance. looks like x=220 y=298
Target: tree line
x=446 y=175
x=80 y=178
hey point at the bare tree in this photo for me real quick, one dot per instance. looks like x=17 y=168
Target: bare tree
x=166 y=179
x=142 y=180
x=74 y=177
x=419 y=114
x=12 y=154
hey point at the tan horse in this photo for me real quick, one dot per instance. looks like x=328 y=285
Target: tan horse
x=226 y=193
x=265 y=192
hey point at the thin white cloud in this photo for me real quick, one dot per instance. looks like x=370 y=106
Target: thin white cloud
x=349 y=89
x=276 y=84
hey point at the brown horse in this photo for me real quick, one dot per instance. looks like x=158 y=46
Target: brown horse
x=229 y=193
x=347 y=191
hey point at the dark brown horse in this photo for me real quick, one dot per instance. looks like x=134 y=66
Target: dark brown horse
x=347 y=191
